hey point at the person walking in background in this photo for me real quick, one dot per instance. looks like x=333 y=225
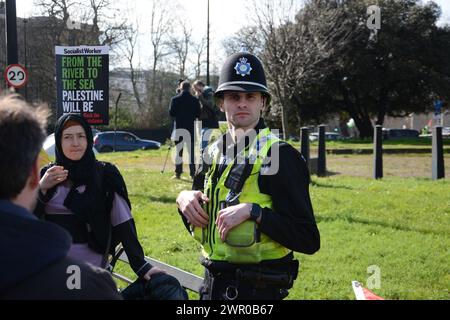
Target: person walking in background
x=185 y=109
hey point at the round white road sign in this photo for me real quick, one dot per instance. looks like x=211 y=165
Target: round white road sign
x=16 y=76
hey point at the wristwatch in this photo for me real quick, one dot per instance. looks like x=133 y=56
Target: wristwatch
x=255 y=213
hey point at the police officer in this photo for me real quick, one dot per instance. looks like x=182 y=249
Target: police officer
x=250 y=208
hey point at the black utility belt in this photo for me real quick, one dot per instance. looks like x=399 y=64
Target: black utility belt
x=265 y=279
x=255 y=279
x=260 y=276
x=71 y=223
x=283 y=265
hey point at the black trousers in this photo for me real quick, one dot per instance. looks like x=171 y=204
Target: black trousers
x=225 y=286
x=180 y=146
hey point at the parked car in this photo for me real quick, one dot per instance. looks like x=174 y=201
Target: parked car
x=446 y=131
x=124 y=141
x=291 y=137
x=330 y=136
x=400 y=133
x=49 y=144
x=95 y=132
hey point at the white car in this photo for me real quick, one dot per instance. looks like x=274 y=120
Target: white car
x=328 y=136
x=49 y=146
x=446 y=131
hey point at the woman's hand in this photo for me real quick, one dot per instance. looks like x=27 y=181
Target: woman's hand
x=189 y=204
x=52 y=177
x=153 y=271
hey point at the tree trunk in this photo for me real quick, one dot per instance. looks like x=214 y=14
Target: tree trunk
x=284 y=110
x=380 y=116
x=284 y=122
x=343 y=125
x=361 y=118
x=364 y=125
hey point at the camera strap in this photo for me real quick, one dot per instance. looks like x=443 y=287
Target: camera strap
x=236 y=178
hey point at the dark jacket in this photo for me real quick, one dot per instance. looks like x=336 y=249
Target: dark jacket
x=33 y=262
x=209 y=113
x=185 y=108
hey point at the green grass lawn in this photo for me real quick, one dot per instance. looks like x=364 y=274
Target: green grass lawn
x=401 y=225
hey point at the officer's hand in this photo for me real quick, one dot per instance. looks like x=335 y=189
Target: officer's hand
x=232 y=216
x=153 y=271
x=52 y=177
x=189 y=205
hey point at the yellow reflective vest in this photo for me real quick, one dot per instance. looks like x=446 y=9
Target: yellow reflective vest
x=244 y=243
x=44 y=158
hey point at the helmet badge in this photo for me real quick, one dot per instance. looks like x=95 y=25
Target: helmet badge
x=243 y=67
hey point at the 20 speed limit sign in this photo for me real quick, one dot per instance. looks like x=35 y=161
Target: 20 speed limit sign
x=16 y=76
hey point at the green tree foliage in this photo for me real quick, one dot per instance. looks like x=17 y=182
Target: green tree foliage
x=327 y=61
x=397 y=71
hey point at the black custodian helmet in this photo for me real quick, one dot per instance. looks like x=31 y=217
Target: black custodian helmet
x=242 y=71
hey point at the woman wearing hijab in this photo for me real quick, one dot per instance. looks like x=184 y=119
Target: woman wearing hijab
x=89 y=198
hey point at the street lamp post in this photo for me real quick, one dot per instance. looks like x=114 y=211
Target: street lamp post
x=207 y=48
x=11 y=32
x=115 y=120
x=25 y=51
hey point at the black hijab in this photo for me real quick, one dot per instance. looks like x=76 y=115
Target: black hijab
x=81 y=172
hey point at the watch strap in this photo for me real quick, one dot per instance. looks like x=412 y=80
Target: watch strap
x=255 y=212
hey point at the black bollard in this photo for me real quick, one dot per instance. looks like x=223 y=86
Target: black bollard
x=377 y=152
x=437 y=171
x=304 y=148
x=321 y=159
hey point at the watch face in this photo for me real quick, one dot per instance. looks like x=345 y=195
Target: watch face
x=255 y=212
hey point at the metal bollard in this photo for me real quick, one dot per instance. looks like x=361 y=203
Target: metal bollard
x=437 y=168
x=321 y=161
x=304 y=148
x=378 y=152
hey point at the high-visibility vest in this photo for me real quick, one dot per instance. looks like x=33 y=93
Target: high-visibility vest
x=44 y=158
x=244 y=243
